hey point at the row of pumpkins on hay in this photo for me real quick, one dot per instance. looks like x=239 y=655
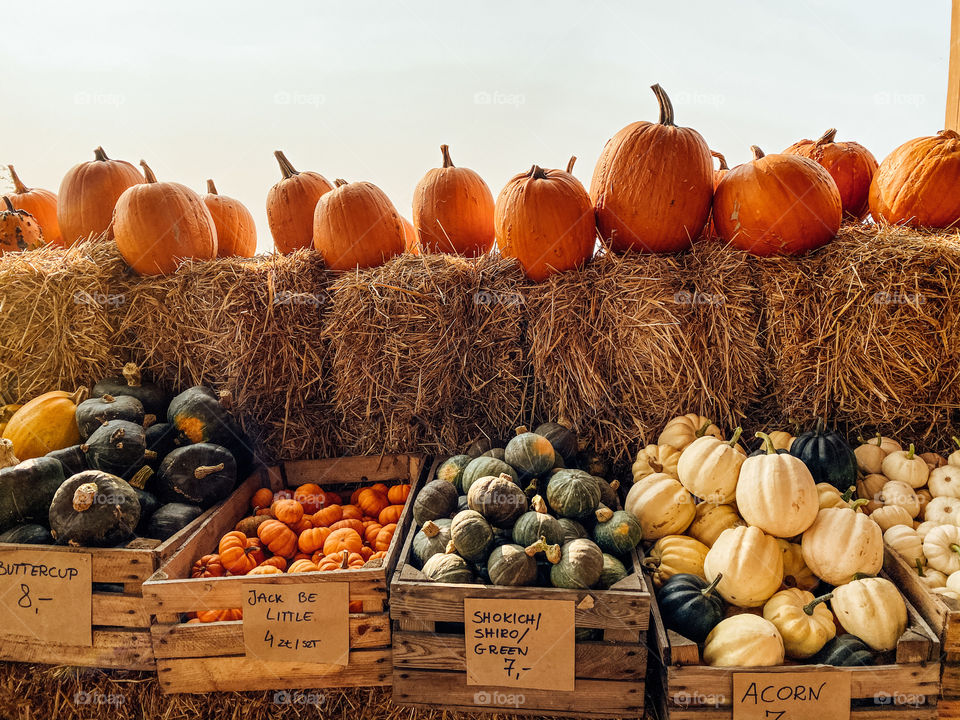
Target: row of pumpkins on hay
x=654 y=189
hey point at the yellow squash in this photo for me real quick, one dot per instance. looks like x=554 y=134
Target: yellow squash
x=46 y=423
x=872 y=609
x=744 y=640
x=675 y=554
x=710 y=520
x=804 y=622
x=684 y=429
x=750 y=563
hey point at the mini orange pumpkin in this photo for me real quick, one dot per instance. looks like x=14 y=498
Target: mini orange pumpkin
x=332 y=498
x=266 y=569
x=371 y=501
x=40 y=203
x=279 y=539
x=287 y=511
x=276 y=561
x=352 y=523
x=377 y=556
x=18 y=229
x=398 y=494
x=311 y=496
x=370 y=532
x=302 y=566
x=342 y=539
x=209 y=616
x=239 y=554
x=382 y=543
x=366 y=552
x=262 y=498
x=390 y=514
x=356 y=226
x=290 y=206
x=305 y=523
x=236 y=230
x=208 y=566
x=325 y=517
x=342 y=560
x=88 y=195
x=351 y=512
x=312 y=540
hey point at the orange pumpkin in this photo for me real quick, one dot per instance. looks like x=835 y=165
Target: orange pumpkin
x=390 y=514
x=453 y=210
x=410 y=243
x=342 y=560
x=40 y=203
x=351 y=512
x=366 y=552
x=311 y=496
x=18 y=229
x=370 y=532
x=332 y=498
x=312 y=540
x=276 y=561
x=302 y=566
x=356 y=226
x=379 y=487
x=284 y=494
x=290 y=206
x=351 y=523
x=305 y=523
x=544 y=219
x=287 y=511
x=159 y=224
x=377 y=556
x=208 y=566
x=236 y=231
x=371 y=501
x=262 y=498
x=777 y=205
x=652 y=185
x=88 y=194
x=301 y=556
x=916 y=184
x=718 y=175
x=278 y=538
x=239 y=554
x=342 y=539
x=264 y=511
x=398 y=494
x=328 y=516
x=382 y=543
x=850 y=165
x=209 y=616
x=266 y=569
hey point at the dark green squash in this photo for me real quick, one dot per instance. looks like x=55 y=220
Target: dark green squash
x=485 y=467
x=529 y=453
x=148 y=506
x=844 y=651
x=571 y=530
x=573 y=493
x=498 y=452
x=827 y=456
x=27 y=489
x=447 y=568
x=498 y=499
x=481 y=445
x=162 y=439
x=170 y=519
x=431 y=539
x=437 y=499
x=558 y=463
x=94 y=509
x=563 y=439
x=613 y=572
x=581 y=563
x=451 y=470
x=95 y=411
x=593 y=463
x=72 y=459
x=116 y=447
x=608 y=492
x=471 y=536
x=463 y=503
x=690 y=605
x=509 y=564
x=536 y=524
x=31 y=534
x=200 y=415
x=618 y=535
x=153 y=398
x=201 y=474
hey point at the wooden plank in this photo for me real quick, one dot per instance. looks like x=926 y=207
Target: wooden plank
x=116 y=610
x=110 y=649
x=218 y=674
x=885 y=712
x=953 y=72
x=333 y=472
x=191 y=640
x=597 y=660
x=950 y=680
x=942 y=614
x=682 y=650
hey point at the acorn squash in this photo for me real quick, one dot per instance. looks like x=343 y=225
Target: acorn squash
x=170 y=519
x=684 y=429
x=691 y=606
x=751 y=565
x=842 y=543
x=844 y=651
x=710 y=520
x=94 y=509
x=201 y=474
x=95 y=411
x=804 y=622
x=709 y=468
x=745 y=640
x=827 y=456
x=872 y=609
x=796 y=574
x=675 y=555
x=661 y=504
x=655 y=459
x=27 y=489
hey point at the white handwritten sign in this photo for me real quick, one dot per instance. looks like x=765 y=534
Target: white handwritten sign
x=791 y=696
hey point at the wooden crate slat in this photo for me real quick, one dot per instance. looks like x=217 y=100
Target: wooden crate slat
x=119 y=610
x=942 y=614
x=111 y=649
x=347 y=471
x=924 y=712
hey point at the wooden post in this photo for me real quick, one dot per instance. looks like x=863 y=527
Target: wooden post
x=953 y=75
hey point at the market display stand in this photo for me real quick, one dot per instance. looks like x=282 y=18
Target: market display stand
x=207 y=657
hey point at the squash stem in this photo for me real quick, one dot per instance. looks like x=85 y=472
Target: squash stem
x=757 y=152
x=703 y=430
x=345 y=562
x=445 y=151
x=603 y=514
x=206 y=470
x=340 y=182
x=211 y=188
x=285 y=166
x=721 y=158
x=666 y=107
x=956 y=441
x=736 y=437
x=18 y=185
x=430 y=529
x=6 y=201
x=570 y=163
x=539 y=505
x=147 y=172
x=711 y=588
x=879 y=440
x=955 y=548
x=82 y=393
x=828 y=137
x=767 y=443
x=920 y=571
x=848 y=495
x=913 y=451
x=537 y=173
x=858 y=503
x=131 y=373
x=99 y=154
x=808 y=608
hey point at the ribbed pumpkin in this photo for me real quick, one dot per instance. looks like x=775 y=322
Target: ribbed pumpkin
x=236 y=230
x=749 y=564
x=471 y=535
x=916 y=184
x=94 y=509
x=484 y=466
x=743 y=641
x=675 y=555
x=19 y=230
x=544 y=219
x=88 y=194
x=291 y=204
x=573 y=493
x=850 y=165
x=873 y=610
x=718 y=175
x=804 y=622
x=40 y=203
x=655 y=459
x=710 y=520
x=447 y=568
x=356 y=226
x=529 y=453
x=581 y=563
x=159 y=224
x=661 y=504
x=48 y=422
x=709 y=468
x=795 y=571
x=537 y=523
x=410 y=241
x=652 y=185
x=453 y=210
x=841 y=543
x=684 y=429
x=777 y=205
x=619 y=534
x=498 y=499
x=509 y=565
x=437 y=499
x=431 y=539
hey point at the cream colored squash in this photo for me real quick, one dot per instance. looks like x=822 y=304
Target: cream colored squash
x=943 y=510
x=945 y=481
x=933 y=460
x=684 y=429
x=907 y=466
x=941 y=547
x=710 y=520
x=954 y=457
x=931 y=578
x=803 y=621
x=925 y=527
x=889 y=515
x=872 y=609
x=744 y=640
x=869 y=488
x=947 y=593
x=841 y=543
x=750 y=563
x=672 y=555
x=661 y=505
x=795 y=571
x=890 y=445
x=906 y=542
x=870 y=455
x=709 y=468
x=655 y=459
x=953 y=582
x=777 y=493
x=896 y=492
x=829 y=496
x=781 y=439
x=923 y=497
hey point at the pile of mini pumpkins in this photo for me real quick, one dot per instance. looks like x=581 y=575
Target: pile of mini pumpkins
x=98 y=471
x=761 y=557
x=523 y=513
x=308 y=529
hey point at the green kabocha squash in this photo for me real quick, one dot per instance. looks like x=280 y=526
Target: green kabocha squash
x=437 y=499
x=27 y=489
x=201 y=474
x=529 y=453
x=537 y=523
x=561 y=438
x=608 y=492
x=498 y=499
x=581 y=563
x=117 y=447
x=447 y=568
x=485 y=467
x=844 y=651
x=72 y=458
x=95 y=411
x=170 y=519
x=690 y=605
x=94 y=509
x=31 y=534
x=481 y=445
x=431 y=539
x=592 y=462
x=558 y=462
x=148 y=506
x=571 y=530
x=451 y=470
x=618 y=533
x=463 y=503
x=498 y=452
x=573 y=493
x=827 y=456
x=153 y=398
x=161 y=439
x=200 y=415
x=510 y=565
x=613 y=572
x=471 y=536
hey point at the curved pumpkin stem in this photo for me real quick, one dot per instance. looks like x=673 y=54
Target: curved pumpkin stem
x=666 y=107
x=603 y=513
x=147 y=172
x=703 y=430
x=340 y=182
x=721 y=158
x=912 y=452
x=757 y=152
x=537 y=173
x=951 y=134
x=848 y=495
x=808 y=608
x=732 y=442
x=767 y=443
x=82 y=393
x=6 y=201
x=131 y=373
x=570 y=163
x=711 y=588
x=445 y=151
x=920 y=571
x=18 y=185
x=99 y=154
x=827 y=137
x=285 y=167
x=211 y=188
x=858 y=503
x=956 y=441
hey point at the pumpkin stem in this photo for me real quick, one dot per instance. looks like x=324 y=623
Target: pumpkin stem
x=99 y=154
x=721 y=158
x=83 y=496
x=141 y=477
x=736 y=437
x=956 y=441
x=521 y=429
x=226 y=399
x=827 y=137
x=552 y=552
x=703 y=430
x=570 y=163
x=451 y=548
x=537 y=173
x=150 y=454
x=879 y=440
x=603 y=513
x=857 y=504
x=211 y=188
x=6 y=201
x=650 y=563
x=18 y=185
x=912 y=452
x=340 y=182
x=712 y=587
x=147 y=172
x=951 y=134
x=445 y=151
x=345 y=561
x=919 y=564
x=108 y=399
x=862 y=575
x=955 y=548
x=82 y=393
x=206 y=470
x=666 y=107
x=7 y=457
x=131 y=373
x=848 y=495
x=614 y=484
x=757 y=152
x=539 y=505
x=767 y=443
x=820 y=426
x=808 y=608
x=430 y=529
x=149 y=420
x=286 y=168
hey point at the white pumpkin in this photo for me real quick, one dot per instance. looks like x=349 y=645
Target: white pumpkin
x=684 y=429
x=803 y=621
x=931 y=578
x=841 y=543
x=870 y=455
x=945 y=481
x=795 y=571
x=906 y=542
x=869 y=488
x=661 y=505
x=953 y=582
x=655 y=459
x=709 y=468
x=829 y=496
x=947 y=593
x=781 y=439
x=907 y=466
x=941 y=547
x=889 y=515
x=710 y=520
x=925 y=527
x=954 y=457
x=744 y=640
x=872 y=609
x=895 y=492
x=943 y=510
x=750 y=563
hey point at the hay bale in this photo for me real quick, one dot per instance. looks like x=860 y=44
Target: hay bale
x=426 y=353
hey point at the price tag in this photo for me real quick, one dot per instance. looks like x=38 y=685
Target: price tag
x=520 y=643
x=791 y=696
x=302 y=622
x=46 y=596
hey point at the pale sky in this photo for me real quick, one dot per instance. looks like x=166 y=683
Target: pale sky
x=369 y=90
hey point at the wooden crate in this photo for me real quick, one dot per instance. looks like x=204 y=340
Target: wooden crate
x=205 y=657
x=687 y=690
x=120 y=620
x=429 y=661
